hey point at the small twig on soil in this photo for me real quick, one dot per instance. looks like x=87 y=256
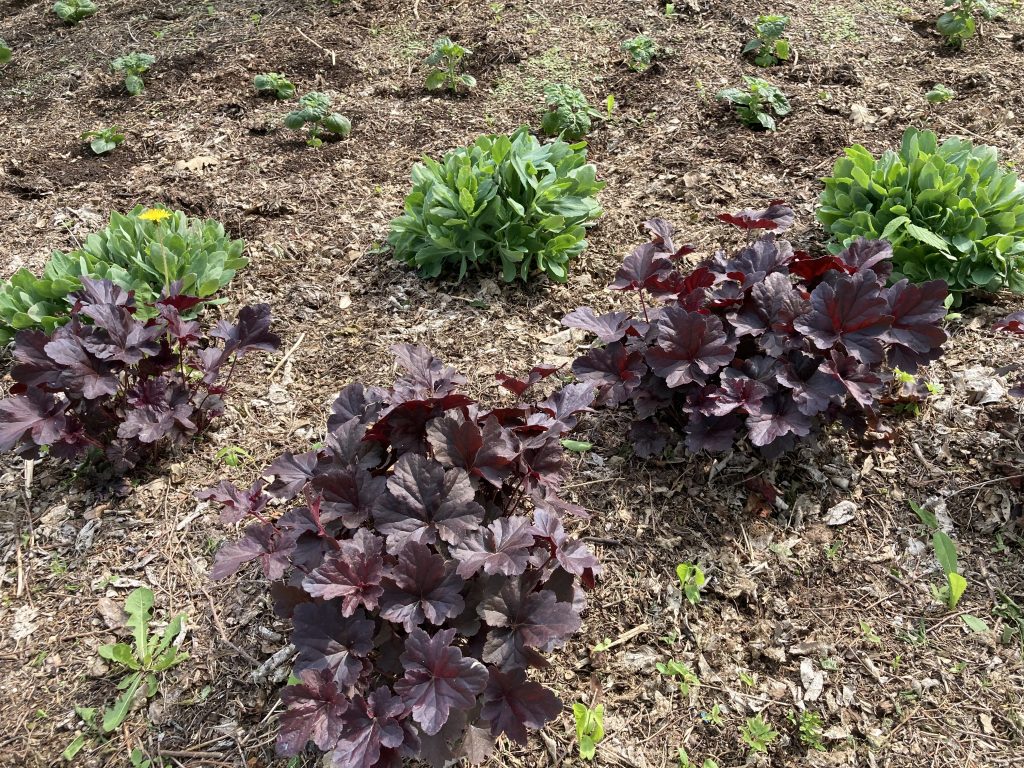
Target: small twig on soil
x=333 y=55
x=288 y=354
x=275 y=661
x=195 y=755
x=627 y=636
x=982 y=484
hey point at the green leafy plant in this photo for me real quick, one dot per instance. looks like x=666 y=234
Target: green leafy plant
x=958 y=23
x=756 y=103
x=133 y=66
x=233 y=455
x=568 y=112
x=640 y=52
x=950 y=211
x=104 y=140
x=315 y=111
x=144 y=250
x=939 y=94
x=73 y=11
x=504 y=200
x=757 y=734
x=685 y=762
x=447 y=59
x=809 y=728
x=275 y=83
x=589 y=728
x=147 y=656
x=691 y=581
x=5 y=52
x=769 y=47
x=681 y=673
x=945 y=552
x=1012 y=615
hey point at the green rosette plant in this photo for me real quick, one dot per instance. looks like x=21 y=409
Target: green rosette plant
x=144 y=251
x=504 y=201
x=949 y=210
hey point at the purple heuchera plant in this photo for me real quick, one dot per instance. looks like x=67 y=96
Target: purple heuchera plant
x=768 y=343
x=110 y=383
x=423 y=561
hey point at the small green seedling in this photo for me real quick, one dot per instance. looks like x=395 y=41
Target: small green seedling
x=758 y=734
x=5 y=52
x=958 y=24
x=446 y=58
x=714 y=716
x=809 y=727
x=104 y=140
x=133 y=66
x=577 y=446
x=315 y=111
x=609 y=106
x=685 y=762
x=691 y=581
x=640 y=52
x=589 y=728
x=139 y=759
x=275 y=83
x=233 y=455
x=956 y=584
x=939 y=94
x=73 y=11
x=769 y=47
x=755 y=104
x=1012 y=615
x=569 y=114
x=670 y=11
x=869 y=633
x=149 y=654
x=681 y=673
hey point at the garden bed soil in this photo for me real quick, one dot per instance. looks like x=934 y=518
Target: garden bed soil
x=839 y=617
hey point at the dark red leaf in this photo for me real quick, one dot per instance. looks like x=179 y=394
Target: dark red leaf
x=777 y=216
x=438 y=678
x=511 y=704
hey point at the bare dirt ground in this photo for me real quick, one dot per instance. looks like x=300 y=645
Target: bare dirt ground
x=835 y=618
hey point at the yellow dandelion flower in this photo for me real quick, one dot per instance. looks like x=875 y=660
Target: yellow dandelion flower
x=155 y=214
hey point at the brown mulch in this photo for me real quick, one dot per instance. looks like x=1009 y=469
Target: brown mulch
x=792 y=602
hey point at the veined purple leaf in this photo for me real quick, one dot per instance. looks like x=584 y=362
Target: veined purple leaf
x=649 y=438
x=355 y=402
x=736 y=392
x=35 y=417
x=690 y=346
x=250 y=332
x=313 y=713
x=353 y=573
x=326 y=640
x=236 y=503
x=713 y=434
x=1011 y=324
x=502 y=547
x=458 y=442
x=615 y=371
x=863 y=254
x=290 y=472
x=117 y=336
x=850 y=311
x=421 y=587
x=519 y=386
x=917 y=310
x=855 y=377
x=609 y=327
x=565 y=403
x=424 y=501
x=522 y=619
x=777 y=217
x=82 y=375
x=779 y=416
x=33 y=367
x=647 y=262
x=262 y=542
x=426 y=376
x=101 y=291
x=438 y=678
x=511 y=704
x=348 y=494
x=370 y=730
x=813 y=389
